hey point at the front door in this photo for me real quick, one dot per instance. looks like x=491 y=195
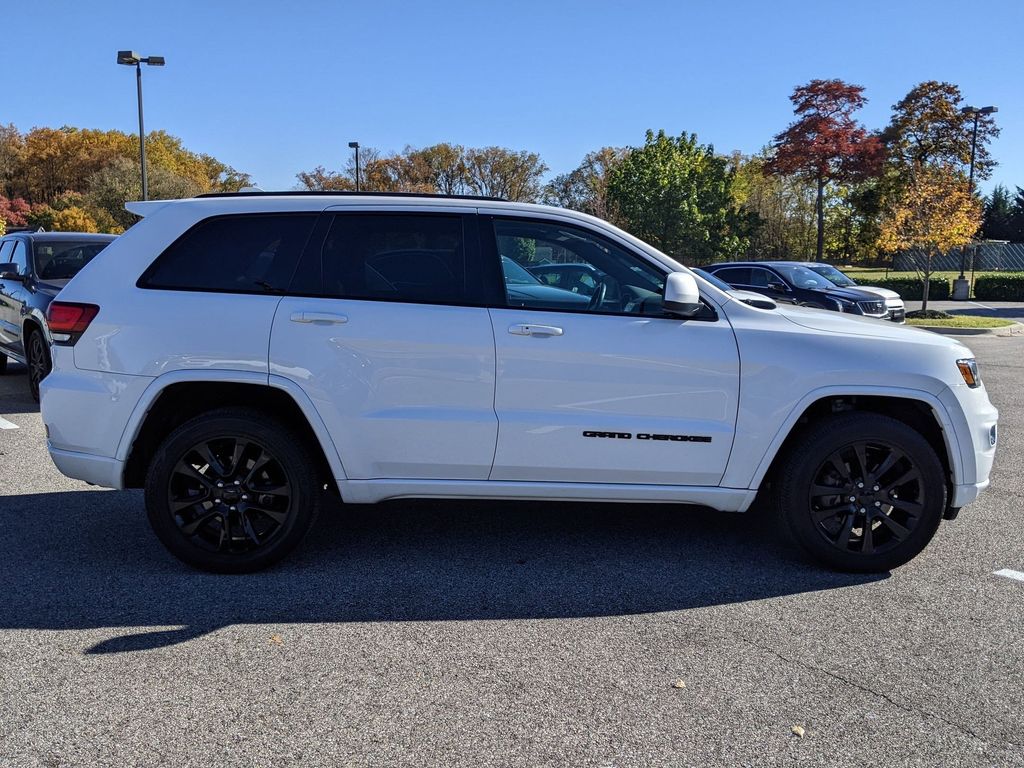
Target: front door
x=599 y=385
x=382 y=334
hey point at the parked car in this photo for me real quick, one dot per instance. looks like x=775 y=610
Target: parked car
x=236 y=355
x=523 y=287
x=790 y=282
x=747 y=297
x=893 y=301
x=34 y=266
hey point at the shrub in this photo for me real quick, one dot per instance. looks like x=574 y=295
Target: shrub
x=1008 y=287
x=911 y=288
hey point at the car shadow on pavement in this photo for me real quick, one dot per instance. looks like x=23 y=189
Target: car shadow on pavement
x=87 y=559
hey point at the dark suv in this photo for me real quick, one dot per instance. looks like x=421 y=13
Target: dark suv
x=34 y=266
x=793 y=283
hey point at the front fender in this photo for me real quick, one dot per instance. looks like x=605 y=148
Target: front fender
x=739 y=475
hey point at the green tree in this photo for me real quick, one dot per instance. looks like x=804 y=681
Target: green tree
x=112 y=186
x=997 y=222
x=677 y=195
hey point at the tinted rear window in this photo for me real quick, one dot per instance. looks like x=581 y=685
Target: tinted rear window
x=396 y=257
x=253 y=253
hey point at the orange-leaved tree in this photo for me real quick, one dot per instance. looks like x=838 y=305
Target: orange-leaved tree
x=932 y=212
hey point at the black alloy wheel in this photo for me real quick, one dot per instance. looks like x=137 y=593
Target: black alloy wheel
x=232 y=491
x=860 y=491
x=38 y=358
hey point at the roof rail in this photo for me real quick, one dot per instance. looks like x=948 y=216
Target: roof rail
x=350 y=193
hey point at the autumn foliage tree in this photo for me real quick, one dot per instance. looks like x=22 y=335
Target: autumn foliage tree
x=932 y=212
x=825 y=144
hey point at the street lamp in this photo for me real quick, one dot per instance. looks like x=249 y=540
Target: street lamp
x=132 y=59
x=355 y=145
x=977 y=112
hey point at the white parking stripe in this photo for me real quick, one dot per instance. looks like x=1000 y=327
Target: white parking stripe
x=5 y=424
x=983 y=306
x=1018 y=575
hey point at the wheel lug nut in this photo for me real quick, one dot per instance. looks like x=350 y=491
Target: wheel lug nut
x=220 y=484
x=234 y=509
x=238 y=482
x=853 y=498
x=862 y=510
x=216 y=501
x=878 y=503
x=244 y=497
x=875 y=488
x=860 y=485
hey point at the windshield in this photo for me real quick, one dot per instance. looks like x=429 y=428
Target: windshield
x=833 y=275
x=62 y=260
x=802 y=277
x=515 y=274
x=718 y=282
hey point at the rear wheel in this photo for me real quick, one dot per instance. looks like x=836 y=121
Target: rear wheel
x=38 y=358
x=861 y=492
x=232 y=491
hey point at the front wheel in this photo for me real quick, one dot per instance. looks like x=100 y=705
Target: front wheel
x=232 y=491
x=38 y=358
x=861 y=492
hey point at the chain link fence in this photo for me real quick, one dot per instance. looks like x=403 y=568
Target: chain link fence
x=982 y=257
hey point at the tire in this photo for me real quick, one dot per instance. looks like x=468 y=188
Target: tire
x=232 y=527
x=902 y=514
x=37 y=355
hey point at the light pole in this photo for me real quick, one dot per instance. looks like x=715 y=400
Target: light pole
x=131 y=58
x=976 y=112
x=355 y=145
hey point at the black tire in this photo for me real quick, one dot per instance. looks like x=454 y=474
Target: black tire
x=864 y=529
x=232 y=527
x=37 y=355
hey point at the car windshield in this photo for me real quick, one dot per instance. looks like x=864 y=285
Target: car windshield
x=63 y=259
x=718 y=282
x=516 y=275
x=802 y=277
x=833 y=275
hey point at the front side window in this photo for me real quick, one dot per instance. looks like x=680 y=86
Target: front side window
x=250 y=253
x=802 y=277
x=734 y=275
x=62 y=260
x=605 y=277
x=396 y=257
x=20 y=257
x=833 y=275
x=6 y=249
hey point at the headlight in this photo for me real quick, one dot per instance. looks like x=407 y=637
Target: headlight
x=969 y=370
x=844 y=306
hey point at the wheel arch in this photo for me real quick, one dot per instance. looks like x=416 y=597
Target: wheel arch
x=174 y=398
x=920 y=410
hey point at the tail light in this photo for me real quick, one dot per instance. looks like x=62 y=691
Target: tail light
x=67 y=321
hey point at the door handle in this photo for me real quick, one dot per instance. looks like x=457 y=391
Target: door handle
x=526 y=329
x=326 y=318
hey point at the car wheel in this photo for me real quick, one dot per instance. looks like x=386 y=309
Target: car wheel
x=232 y=491
x=38 y=358
x=861 y=492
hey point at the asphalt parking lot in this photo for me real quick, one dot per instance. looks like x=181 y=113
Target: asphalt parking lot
x=484 y=634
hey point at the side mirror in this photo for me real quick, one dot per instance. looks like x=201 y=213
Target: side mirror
x=10 y=272
x=775 y=285
x=682 y=296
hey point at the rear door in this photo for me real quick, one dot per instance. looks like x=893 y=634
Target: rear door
x=611 y=390
x=387 y=333
x=12 y=298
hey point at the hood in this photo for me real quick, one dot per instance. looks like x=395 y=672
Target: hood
x=840 y=323
x=51 y=287
x=885 y=293
x=850 y=294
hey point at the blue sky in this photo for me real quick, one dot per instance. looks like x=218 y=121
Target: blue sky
x=273 y=88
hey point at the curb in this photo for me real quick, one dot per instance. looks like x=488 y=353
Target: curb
x=1007 y=330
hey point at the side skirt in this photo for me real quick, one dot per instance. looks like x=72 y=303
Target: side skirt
x=372 y=491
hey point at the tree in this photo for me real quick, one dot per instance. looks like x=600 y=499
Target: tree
x=825 y=144
x=998 y=223
x=927 y=127
x=14 y=212
x=586 y=187
x=933 y=212
x=112 y=186
x=504 y=173
x=73 y=219
x=677 y=195
x=322 y=180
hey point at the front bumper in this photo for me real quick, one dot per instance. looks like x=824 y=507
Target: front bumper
x=898 y=314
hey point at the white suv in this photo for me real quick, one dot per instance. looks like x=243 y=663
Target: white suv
x=239 y=356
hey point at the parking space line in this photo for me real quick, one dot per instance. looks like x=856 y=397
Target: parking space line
x=5 y=424
x=983 y=306
x=1010 y=574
